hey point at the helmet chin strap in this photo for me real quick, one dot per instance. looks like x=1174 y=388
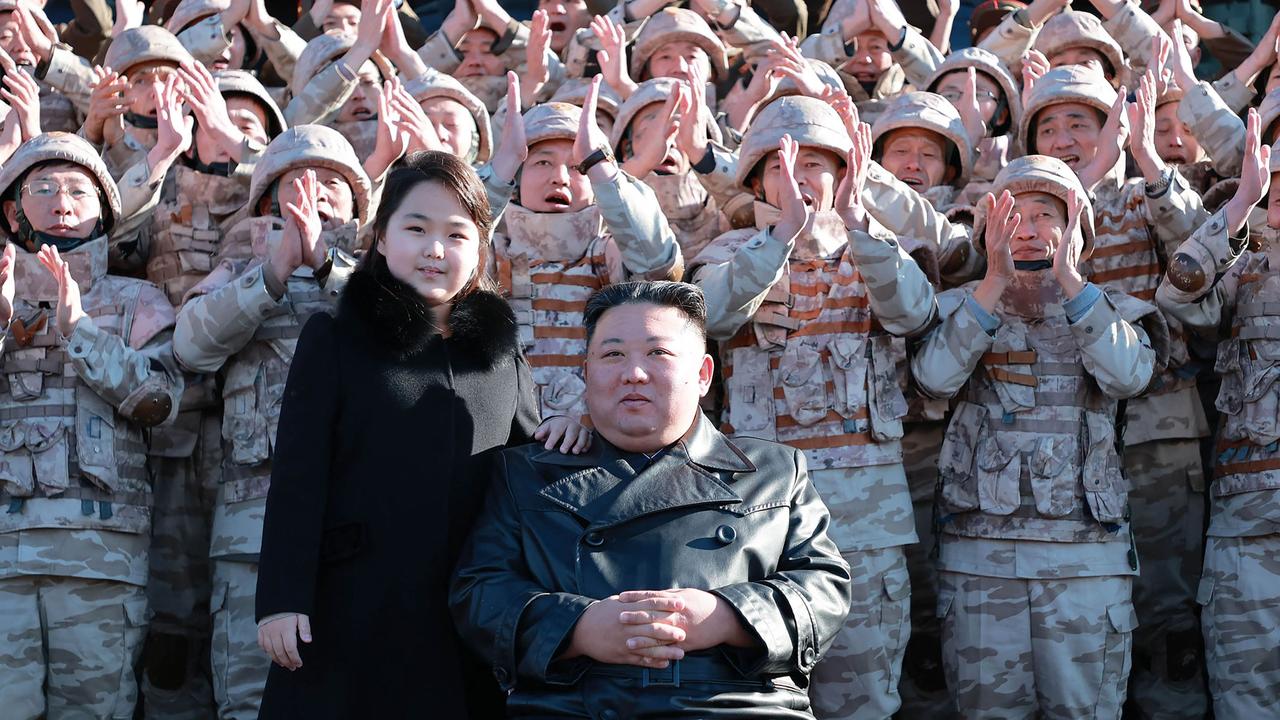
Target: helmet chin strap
x=1032 y=265
x=142 y=122
x=221 y=169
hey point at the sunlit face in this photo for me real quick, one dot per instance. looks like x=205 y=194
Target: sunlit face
x=1069 y=132
x=249 y=117
x=679 y=59
x=549 y=182
x=343 y=19
x=431 y=243
x=335 y=202
x=647 y=367
x=478 y=60
x=917 y=157
x=1044 y=220
x=363 y=103
x=871 y=59
x=1088 y=57
x=146 y=85
x=1174 y=142
x=817 y=173
x=564 y=18
x=649 y=126
x=454 y=124
x=12 y=42
x=952 y=87
x=233 y=57
x=59 y=199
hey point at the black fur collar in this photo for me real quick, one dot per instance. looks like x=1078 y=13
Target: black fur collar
x=483 y=325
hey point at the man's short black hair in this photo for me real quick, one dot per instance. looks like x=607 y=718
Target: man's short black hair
x=686 y=298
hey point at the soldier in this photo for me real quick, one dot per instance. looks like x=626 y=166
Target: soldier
x=212 y=31
x=1076 y=38
x=460 y=119
x=1036 y=562
x=877 y=50
x=338 y=82
x=243 y=320
x=1222 y=284
x=986 y=95
x=577 y=224
x=806 y=363
x=87 y=364
x=23 y=38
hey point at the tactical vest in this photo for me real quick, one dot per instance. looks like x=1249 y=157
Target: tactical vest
x=1248 y=362
x=689 y=208
x=57 y=113
x=254 y=378
x=548 y=265
x=813 y=369
x=1030 y=452
x=186 y=228
x=128 y=150
x=68 y=460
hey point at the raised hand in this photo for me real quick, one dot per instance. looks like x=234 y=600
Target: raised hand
x=1066 y=259
x=691 y=133
x=389 y=143
x=514 y=148
x=791 y=64
x=129 y=15
x=106 y=102
x=304 y=219
x=319 y=11
x=173 y=126
x=795 y=214
x=413 y=122
x=7 y=283
x=23 y=95
x=1178 y=61
x=31 y=31
x=849 y=192
x=858 y=21
x=200 y=92
x=590 y=137
x=648 y=156
x=613 y=55
x=1002 y=225
x=844 y=106
x=1142 y=125
x=1112 y=141
x=975 y=126
x=1255 y=175
x=1034 y=66
x=887 y=17
x=70 y=309
x=535 y=57
x=461 y=20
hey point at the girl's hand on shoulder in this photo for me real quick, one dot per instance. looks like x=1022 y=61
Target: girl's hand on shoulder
x=572 y=437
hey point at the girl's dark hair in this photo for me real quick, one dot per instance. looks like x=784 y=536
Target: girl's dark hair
x=461 y=180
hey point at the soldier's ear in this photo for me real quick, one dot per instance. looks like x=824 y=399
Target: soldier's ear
x=11 y=215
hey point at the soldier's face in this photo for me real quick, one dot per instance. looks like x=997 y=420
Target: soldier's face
x=455 y=126
x=12 y=42
x=565 y=17
x=549 y=183
x=249 y=117
x=342 y=19
x=1069 y=132
x=233 y=57
x=649 y=127
x=363 y=103
x=1044 y=219
x=679 y=60
x=871 y=60
x=478 y=60
x=646 y=369
x=917 y=157
x=952 y=87
x=146 y=85
x=61 y=200
x=1273 y=202
x=817 y=173
x=431 y=243
x=335 y=202
x=1087 y=57
x=1174 y=142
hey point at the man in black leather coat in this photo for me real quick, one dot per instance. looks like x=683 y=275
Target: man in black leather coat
x=667 y=572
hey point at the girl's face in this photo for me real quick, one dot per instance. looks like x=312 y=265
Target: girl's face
x=431 y=243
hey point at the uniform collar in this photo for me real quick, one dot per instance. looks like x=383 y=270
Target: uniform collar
x=33 y=282
x=551 y=236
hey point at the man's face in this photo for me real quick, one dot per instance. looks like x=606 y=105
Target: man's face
x=146 y=85
x=1087 y=57
x=917 y=157
x=871 y=60
x=335 y=202
x=249 y=117
x=454 y=124
x=233 y=57
x=678 y=60
x=478 y=60
x=12 y=42
x=1069 y=132
x=817 y=173
x=649 y=127
x=565 y=17
x=549 y=183
x=646 y=369
x=59 y=199
x=1174 y=142
x=363 y=103
x=952 y=87
x=343 y=19
x=1044 y=219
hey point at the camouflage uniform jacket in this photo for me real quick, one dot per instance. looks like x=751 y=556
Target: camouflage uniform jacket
x=690 y=209
x=1217 y=128
x=1030 y=482
x=323 y=96
x=208 y=39
x=73 y=478
x=70 y=75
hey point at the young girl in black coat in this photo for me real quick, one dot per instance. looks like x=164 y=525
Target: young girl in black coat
x=390 y=412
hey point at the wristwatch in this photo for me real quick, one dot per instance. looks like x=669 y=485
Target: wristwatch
x=595 y=158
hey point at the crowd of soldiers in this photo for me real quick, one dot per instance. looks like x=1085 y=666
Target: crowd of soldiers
x=1019 y=317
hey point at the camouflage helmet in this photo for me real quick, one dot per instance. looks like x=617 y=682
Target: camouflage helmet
x=239 y=82
x=788 y=86
x=491 y=90
x=551 y=121
x=574 y=92
x=1043 y=174
x=809 y=121
x=190 y=12
x=1269 y=115
x=1070 y=84
x=990 y=65
x=309 y=146
x=434 y=85
x=323 y=50
x=1171 y=94
x=61 y=147
x=1080 y=30
x=677 y=25
x=651 y=92
x=932 y=112
x=145 y=44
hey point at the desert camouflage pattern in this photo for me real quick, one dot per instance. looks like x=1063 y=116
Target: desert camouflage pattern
x=69 y=75
x=1081 y=30
x=239 y=667
x=688 y=207
x=1217 y=128
x=676 y=25
x=145 y=44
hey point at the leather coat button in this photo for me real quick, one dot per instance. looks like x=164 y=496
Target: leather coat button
x=594 y=539
x=726 y=534
x=500 y=674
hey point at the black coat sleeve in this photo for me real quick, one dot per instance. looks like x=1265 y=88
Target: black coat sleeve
x=300 y=475
x=526 y=419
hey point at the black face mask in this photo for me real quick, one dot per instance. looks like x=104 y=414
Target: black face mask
x=142 y=122
x=1032 y=265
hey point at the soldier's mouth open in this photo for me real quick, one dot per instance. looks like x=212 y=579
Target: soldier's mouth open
x=556 y=26
x=559 y=200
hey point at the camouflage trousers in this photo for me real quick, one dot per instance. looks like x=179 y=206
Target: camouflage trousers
x=1167 y=506
x=858 y=677
x=70 y=646
x=239 y=665
x=1240 y=594
x=1056 y=649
